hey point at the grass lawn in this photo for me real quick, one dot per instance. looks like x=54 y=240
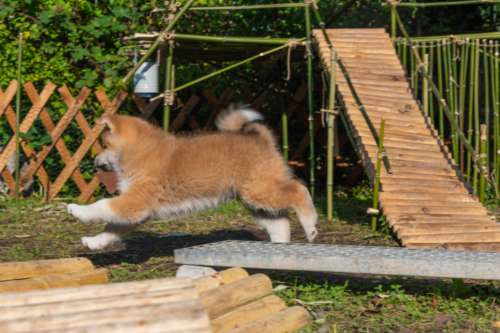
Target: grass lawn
x=337 y=302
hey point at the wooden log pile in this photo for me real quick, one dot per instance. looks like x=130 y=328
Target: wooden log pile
x=238 y=303
x=228 y=301
x=47 y=274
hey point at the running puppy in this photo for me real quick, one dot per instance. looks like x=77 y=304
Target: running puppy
x=163 y=175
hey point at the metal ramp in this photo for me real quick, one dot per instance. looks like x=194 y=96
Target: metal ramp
x=426 y=201
x=345 y=259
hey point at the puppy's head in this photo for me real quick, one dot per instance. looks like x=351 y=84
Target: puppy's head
x=117 y=135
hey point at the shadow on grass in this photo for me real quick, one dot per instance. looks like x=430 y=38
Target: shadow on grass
x=134 y=251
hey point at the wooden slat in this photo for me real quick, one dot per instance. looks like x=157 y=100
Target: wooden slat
x=60 y=146
x=185 y=111
x=445 y=230
x=476 y=237
x=490 y=246
x=55 y=135
x=110 y=108
x=7 y=96
x=26 y=123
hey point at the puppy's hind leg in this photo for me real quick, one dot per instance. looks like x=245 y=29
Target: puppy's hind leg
x=300 y=200
x=277 y=225
x=111 y=234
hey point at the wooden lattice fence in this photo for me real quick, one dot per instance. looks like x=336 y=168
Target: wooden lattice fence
x=89 y=145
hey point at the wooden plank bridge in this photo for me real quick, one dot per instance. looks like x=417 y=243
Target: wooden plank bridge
x=426 y=201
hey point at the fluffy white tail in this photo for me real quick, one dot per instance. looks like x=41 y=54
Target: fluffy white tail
x=235 y=117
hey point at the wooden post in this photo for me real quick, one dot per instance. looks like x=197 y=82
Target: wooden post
x=30 y=269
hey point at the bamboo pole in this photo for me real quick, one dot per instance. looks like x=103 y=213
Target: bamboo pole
x=284 y=118
x=461 y=105
x=18 y=114
x=81 y=278
x=431 y=74
x=310 y=97
x=349 y=134
x=31 y=269
x=471 y=106
x=425 y=88
x=250 y=7
x=482 y=179
x=489 y=35
x=168 y=87
x=497 y=110
x=486 y=99
x=405 y=49
x=393 y=23
x=330 y=116
x=453 y=67
x=440 y=84
x=439 y=97
x=494 y=98
x=377 y=176
x=158 y=41
x=225 y=40
x=233 y=66
x=476 y=111
x=445 y=4
x=412 y=63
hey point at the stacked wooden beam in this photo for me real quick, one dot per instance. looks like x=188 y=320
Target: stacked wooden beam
x=426 y=200
x=47 y=274
x=245 y=306
x=228 y=301
x=163 y=305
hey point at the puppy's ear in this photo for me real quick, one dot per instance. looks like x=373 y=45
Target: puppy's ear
x=108 y=120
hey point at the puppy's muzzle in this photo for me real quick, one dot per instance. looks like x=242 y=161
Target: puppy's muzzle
x=100 y=165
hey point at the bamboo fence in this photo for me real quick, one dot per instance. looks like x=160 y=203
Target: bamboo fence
x=464 y=70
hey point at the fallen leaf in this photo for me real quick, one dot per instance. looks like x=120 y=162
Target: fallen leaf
x=377 y=302
x=280 y=287
x=442 y=318
x=22 y=236
x=403 y=329
x=497 y=324
x=434 y=302
x=389 y=305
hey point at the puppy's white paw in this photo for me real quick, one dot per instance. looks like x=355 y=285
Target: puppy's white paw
x=96 y=242
x=311 y=234
x=80 y=212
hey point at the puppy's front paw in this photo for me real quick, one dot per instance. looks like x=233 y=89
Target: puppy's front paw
x=93 y=243
x=79 y=212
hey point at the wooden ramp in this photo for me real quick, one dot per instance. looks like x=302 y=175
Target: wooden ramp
x=426 y=201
